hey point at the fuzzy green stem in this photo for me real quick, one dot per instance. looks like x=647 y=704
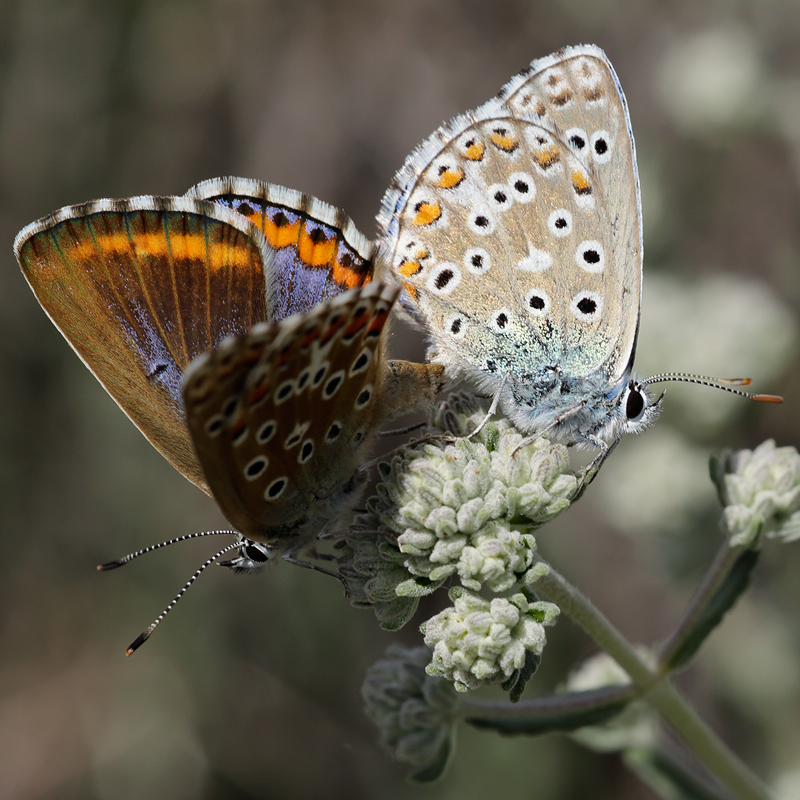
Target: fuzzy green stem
x=660 y=694
x=722 y=585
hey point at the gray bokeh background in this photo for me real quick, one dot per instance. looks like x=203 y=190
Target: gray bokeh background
x=250 y=688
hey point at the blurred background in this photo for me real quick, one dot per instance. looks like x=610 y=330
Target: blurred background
x=250 y=689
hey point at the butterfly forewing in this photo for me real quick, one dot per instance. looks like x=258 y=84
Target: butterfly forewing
x=319 y=253
x=141 y=287
x=278 y=417
x=513 y=232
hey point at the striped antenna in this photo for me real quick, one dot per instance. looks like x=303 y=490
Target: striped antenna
x=125 y=559
x=145 y=635
x=726 y=384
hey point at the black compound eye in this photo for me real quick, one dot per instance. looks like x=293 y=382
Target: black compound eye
x=255 y=553
x=634 y=404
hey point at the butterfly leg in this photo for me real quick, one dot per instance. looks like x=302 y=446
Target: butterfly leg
x=590 y=473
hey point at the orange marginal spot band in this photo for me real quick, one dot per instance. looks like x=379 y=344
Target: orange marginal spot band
x=349 y=269
x=580 y=183
x=332 y=330
x=410 y=268
x=504 y=140
x=356 y=325
x=547 y=157
x=258 y=393
x=314 y=248
x=378 y=322
x=281 y=231
x=412 y=290
x=426 y=213
x=450 y=178
x=474 y=150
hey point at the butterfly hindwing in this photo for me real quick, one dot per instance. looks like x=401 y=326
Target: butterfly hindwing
x=280 y=416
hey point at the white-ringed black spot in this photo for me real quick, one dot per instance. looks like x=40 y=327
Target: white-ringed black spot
x=284 y=391
x=230 y=406
x=306 y=451
x=332 y=385
x=499 y=196
x=266 y=431
x=364 y=396
x=361 y=362
x=456 y=326
x=601 y=146
x=480 y=221
x=560 y=222
x=587 y=306
x=537 y=302
x=477 y=260
x=501 y=320
x=276 y=488
x=303 y=378
x=359 y=436
x=590 y=256
x=334 y=432
x=522 y=187
x=576 y=139
x=256 y=467
x=319 y=375
x=240 y=437
x=444 y=278
x=215 y=425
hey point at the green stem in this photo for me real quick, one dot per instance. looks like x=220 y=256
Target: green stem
x=660 y=694
x=722 y=585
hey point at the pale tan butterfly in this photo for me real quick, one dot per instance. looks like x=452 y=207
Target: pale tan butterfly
x=516 y=231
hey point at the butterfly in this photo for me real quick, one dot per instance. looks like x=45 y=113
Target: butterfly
x=241 y=331
x=516 y=232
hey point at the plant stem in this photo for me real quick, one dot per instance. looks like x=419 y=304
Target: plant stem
x=727 y=577
x=659 y=693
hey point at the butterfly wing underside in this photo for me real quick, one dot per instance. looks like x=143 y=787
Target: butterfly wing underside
x=279 y=416
x=139 y=288
x=319 y=252
x=540 y=183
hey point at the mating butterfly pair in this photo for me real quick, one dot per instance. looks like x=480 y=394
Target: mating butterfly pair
x=515 y=231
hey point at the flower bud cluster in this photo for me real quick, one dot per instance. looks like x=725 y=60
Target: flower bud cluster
x=760 y=490
x=415 y=713
x=478 y=642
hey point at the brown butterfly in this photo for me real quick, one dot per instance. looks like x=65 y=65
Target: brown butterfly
x=243 y=337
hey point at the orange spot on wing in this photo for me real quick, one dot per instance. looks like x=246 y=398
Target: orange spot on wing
x=504 y=140
x=410 y=268
x=474 y=150
x=315 y=248
x=450 y=178
x=378 y=323
x=281 y=231
x=547 y=156
x=580 y=182
x=426 y=213
x=332 y=330
x=356 y=325
x=349 y=269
